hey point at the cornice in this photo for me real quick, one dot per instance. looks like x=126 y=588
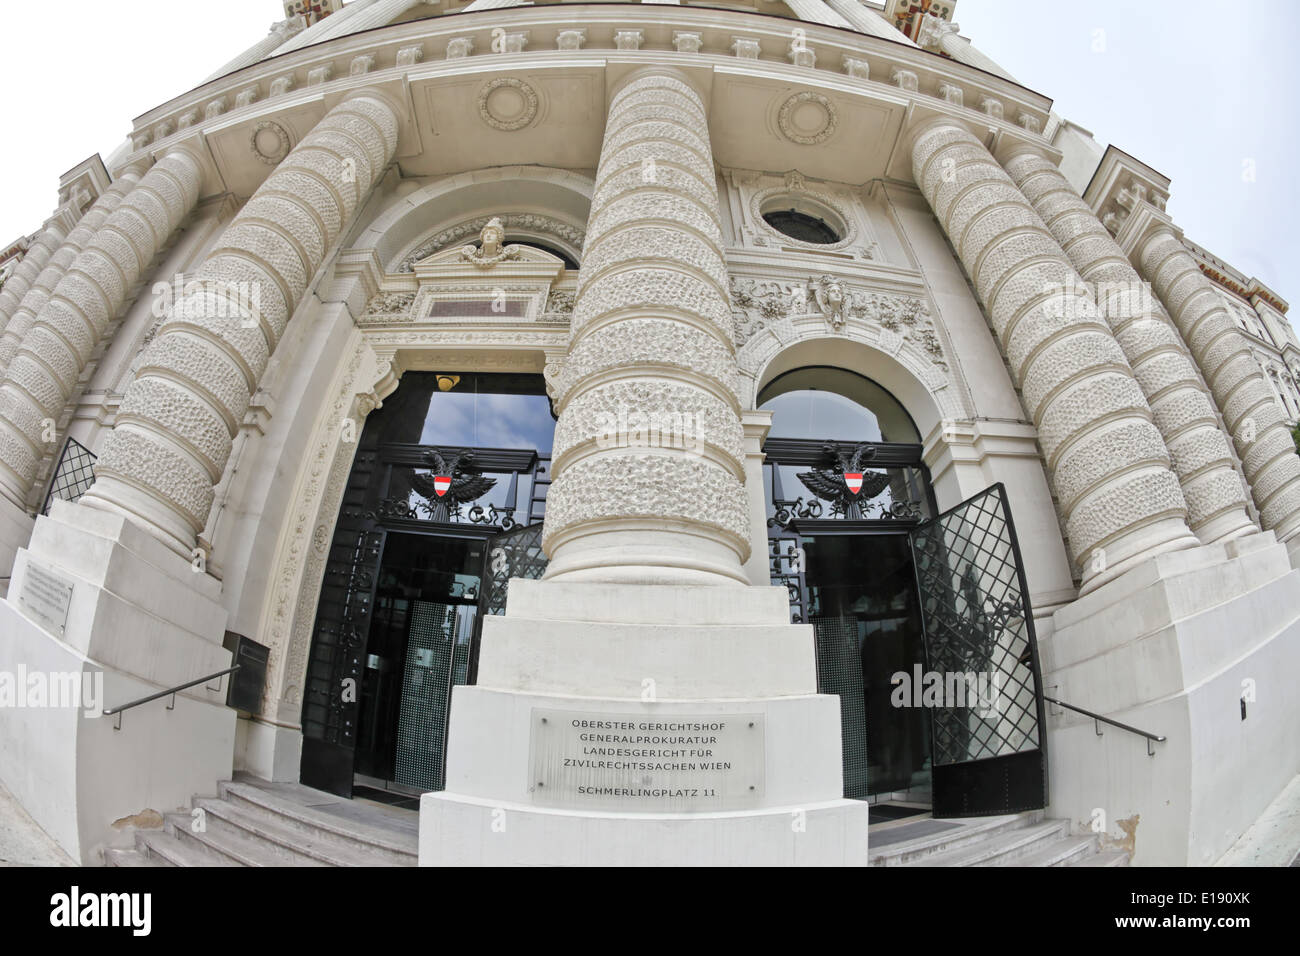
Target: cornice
x=391 y=54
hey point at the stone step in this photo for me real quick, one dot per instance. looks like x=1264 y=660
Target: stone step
x=126 y=857
x=999 y=848
x=362 y=843
x=967 y=832
x=240 y=848
x=1066 y=850
x=303 y=845
x=1105 y=858
x=161 y=848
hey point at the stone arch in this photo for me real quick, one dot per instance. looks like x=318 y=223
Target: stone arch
x=925 y=392
x=412 y=218
x=369 y=372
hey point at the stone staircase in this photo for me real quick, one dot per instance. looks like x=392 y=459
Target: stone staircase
x=252 y=823
x=1021 y=839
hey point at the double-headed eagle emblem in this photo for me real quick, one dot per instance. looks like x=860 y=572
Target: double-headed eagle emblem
x=452 y=481
x=849 y=488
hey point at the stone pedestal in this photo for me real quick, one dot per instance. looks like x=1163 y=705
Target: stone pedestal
x=722 y=657
x=1171 y=648
x=140 y=617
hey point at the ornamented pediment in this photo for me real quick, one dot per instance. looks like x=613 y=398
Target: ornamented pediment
x=490 y=251
x=490 y=282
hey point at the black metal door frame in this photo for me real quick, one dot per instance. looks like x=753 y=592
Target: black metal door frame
x=968 y=612
x=369 y=513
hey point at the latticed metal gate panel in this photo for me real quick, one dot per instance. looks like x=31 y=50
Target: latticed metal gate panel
x=435 y=662
x=839 y=672
x=511 y=554
x=73 y=476
x=988 y=751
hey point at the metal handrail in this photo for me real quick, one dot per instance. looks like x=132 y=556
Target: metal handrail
x=1098 y=719
x=117 y=711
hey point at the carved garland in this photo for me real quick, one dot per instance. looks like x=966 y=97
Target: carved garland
x=785 y=118
x=526 y=222
x=758 y=305
x=508 y=124
x=278 y=152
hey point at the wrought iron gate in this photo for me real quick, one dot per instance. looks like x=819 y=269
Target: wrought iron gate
x=516 y=553
x=336 y=664
x=989 y=754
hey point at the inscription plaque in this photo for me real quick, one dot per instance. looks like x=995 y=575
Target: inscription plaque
x=662 y=763
x=45 y=597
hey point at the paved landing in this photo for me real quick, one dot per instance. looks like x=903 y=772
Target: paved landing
x=22 y=841
x=1273 y=839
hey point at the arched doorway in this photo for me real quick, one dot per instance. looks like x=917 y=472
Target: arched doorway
x=921 y=620
x=443 y=505
x=845 y=485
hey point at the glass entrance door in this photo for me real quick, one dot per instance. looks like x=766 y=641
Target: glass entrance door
x=428 y=535
x=425 y=611
x=867 y=626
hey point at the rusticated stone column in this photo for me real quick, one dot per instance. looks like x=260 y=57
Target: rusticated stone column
x=173 y=433
x=649 y=457
x=1268 y=454
x=1184 y=413
x=35 y=298
x=41 y=376
x=1120 y=501
x=46 y=244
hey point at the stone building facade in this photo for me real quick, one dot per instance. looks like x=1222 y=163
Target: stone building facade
x=689 y=218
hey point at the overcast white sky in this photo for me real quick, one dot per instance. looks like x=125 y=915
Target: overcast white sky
x=1194 y=88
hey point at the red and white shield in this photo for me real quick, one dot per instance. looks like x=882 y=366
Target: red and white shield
x=442 y=482
x=854 y=480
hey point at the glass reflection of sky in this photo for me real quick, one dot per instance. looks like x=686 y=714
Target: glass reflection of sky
x=489 y=421
x=821 y=415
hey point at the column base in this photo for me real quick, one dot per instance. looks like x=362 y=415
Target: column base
x=136 y=620
x=461 y=831
x=268 y=751
x=15 y=531
x=1171 y=648
x=637 y=556
x=643 y=725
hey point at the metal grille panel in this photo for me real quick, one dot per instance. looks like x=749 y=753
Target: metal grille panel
x=839 y=671
x=979 y=632
x=512 y=554
x=434 y=661
x=73 y=476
